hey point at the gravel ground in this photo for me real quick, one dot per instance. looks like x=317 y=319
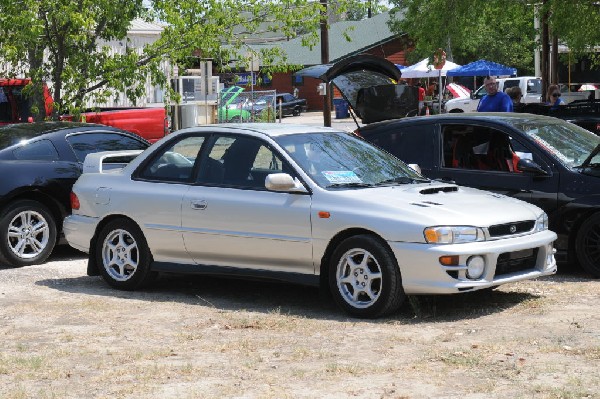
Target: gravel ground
x=67 y=335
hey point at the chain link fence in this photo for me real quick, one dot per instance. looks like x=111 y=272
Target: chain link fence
x=236 y=105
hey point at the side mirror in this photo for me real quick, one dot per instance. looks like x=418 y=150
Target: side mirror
x=283 y=182
x=415 y=167
x=527 y=165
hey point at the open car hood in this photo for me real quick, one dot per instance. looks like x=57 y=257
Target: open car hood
x=369 y=84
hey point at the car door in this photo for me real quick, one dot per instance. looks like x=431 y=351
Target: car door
x=485 y=157
x=160 y=185
x=230 y=219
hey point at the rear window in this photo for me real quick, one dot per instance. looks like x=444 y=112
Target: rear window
x=42 y=150
x=86 y=143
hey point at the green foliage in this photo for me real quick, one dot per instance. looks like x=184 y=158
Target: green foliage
x=497 y=30
x=70 y=43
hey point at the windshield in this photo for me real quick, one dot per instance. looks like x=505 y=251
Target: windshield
x=569 y=143
x=344 y=160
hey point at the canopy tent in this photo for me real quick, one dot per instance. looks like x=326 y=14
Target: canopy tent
x=483 y=68
x=423 y=69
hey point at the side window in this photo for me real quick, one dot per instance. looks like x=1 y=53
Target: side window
x=42 y=150
x=480 y=93
x=510 y=83
x=534 y=86
x=175 y=163
x=240 y=162
x=86 y=143
x=478 y=148
x=411 y=144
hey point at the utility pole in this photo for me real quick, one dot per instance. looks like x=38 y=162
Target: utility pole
x=545 y=54
x=325 y=60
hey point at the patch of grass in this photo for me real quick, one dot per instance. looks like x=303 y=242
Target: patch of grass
x=337 y=368
x=460 y=358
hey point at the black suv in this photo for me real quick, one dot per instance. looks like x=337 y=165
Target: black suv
x=543 y=160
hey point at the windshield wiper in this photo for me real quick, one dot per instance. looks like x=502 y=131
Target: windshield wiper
x=350 y=185
x=402 y=180
x=588 y=160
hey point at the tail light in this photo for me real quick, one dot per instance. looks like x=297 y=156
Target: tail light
x=74 y=201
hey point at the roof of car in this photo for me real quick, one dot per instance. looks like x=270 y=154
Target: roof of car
x=269 y=129
x=481 y=116
x=11 y=134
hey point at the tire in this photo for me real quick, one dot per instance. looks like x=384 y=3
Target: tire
x=587 y=245
x=297 y=111
x=364 y=261
x=27 y=234
x=123 y=256
x=235 y=119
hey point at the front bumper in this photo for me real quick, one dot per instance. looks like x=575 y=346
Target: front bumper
x=422 y=272
x=79 y=231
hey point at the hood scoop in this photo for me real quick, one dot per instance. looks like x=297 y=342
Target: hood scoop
x=440 y=189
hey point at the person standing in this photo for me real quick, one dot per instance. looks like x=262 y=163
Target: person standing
x=421 y=97
x=554 y=99
x=494 y=100
x=515 y=95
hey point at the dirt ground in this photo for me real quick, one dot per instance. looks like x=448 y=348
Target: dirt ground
x=67 y=335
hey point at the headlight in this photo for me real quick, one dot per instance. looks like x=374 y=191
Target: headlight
x=453 y=234
x=541 y=223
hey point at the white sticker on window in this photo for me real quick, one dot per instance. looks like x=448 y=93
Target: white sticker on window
x=341 y=176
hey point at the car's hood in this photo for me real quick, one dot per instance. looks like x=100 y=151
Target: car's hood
x=440 y=204
x=355 y=73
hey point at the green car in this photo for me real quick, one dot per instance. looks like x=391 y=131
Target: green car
x=232 y=109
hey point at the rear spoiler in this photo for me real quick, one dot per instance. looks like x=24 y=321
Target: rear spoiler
x=94 y=162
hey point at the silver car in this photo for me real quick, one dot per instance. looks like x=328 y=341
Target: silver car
x=304 y=204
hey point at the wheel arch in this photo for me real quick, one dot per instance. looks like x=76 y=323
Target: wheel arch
x=456 y=111
x=58 y=210
x=92 y=267
x=333 y=244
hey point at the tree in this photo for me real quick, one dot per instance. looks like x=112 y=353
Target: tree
x=498 y=30
x=65 y=42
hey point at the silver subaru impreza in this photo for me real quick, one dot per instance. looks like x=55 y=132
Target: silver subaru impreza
x=304 y=204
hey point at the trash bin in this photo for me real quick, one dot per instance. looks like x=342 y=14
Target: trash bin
x=341 y=108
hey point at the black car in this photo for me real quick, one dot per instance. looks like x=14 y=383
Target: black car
x=39 y=163
x=543 y=160
x=289 y=104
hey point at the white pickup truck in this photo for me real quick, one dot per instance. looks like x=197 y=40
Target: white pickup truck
x=531 y=87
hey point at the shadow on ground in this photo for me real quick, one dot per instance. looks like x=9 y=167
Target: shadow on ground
x=267 y=296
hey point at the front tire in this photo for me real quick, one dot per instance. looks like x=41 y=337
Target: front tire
x=297 y=111
x=27 y=234
x=364 y=277
x=123 y=256
x=587 y=245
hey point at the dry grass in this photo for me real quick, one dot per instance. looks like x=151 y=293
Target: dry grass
x=72 y=337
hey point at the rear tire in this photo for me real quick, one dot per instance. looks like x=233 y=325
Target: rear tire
x=27 y=234
x=364 y=278
x=587 y=245
x=123 y=256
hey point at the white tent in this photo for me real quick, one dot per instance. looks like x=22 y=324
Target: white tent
x=423 y=69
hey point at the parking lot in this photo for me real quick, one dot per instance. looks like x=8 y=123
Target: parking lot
x=67 y=335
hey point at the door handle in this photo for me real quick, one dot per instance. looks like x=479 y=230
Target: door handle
x=198 y=204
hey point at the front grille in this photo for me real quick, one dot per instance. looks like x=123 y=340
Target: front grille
x=511 y=262
x=508 y=229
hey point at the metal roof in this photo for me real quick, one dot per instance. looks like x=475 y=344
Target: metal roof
x=364 y=35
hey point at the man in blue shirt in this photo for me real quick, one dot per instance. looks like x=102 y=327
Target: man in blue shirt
x=494 y=100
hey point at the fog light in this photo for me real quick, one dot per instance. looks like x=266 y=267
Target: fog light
x=475 y=267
